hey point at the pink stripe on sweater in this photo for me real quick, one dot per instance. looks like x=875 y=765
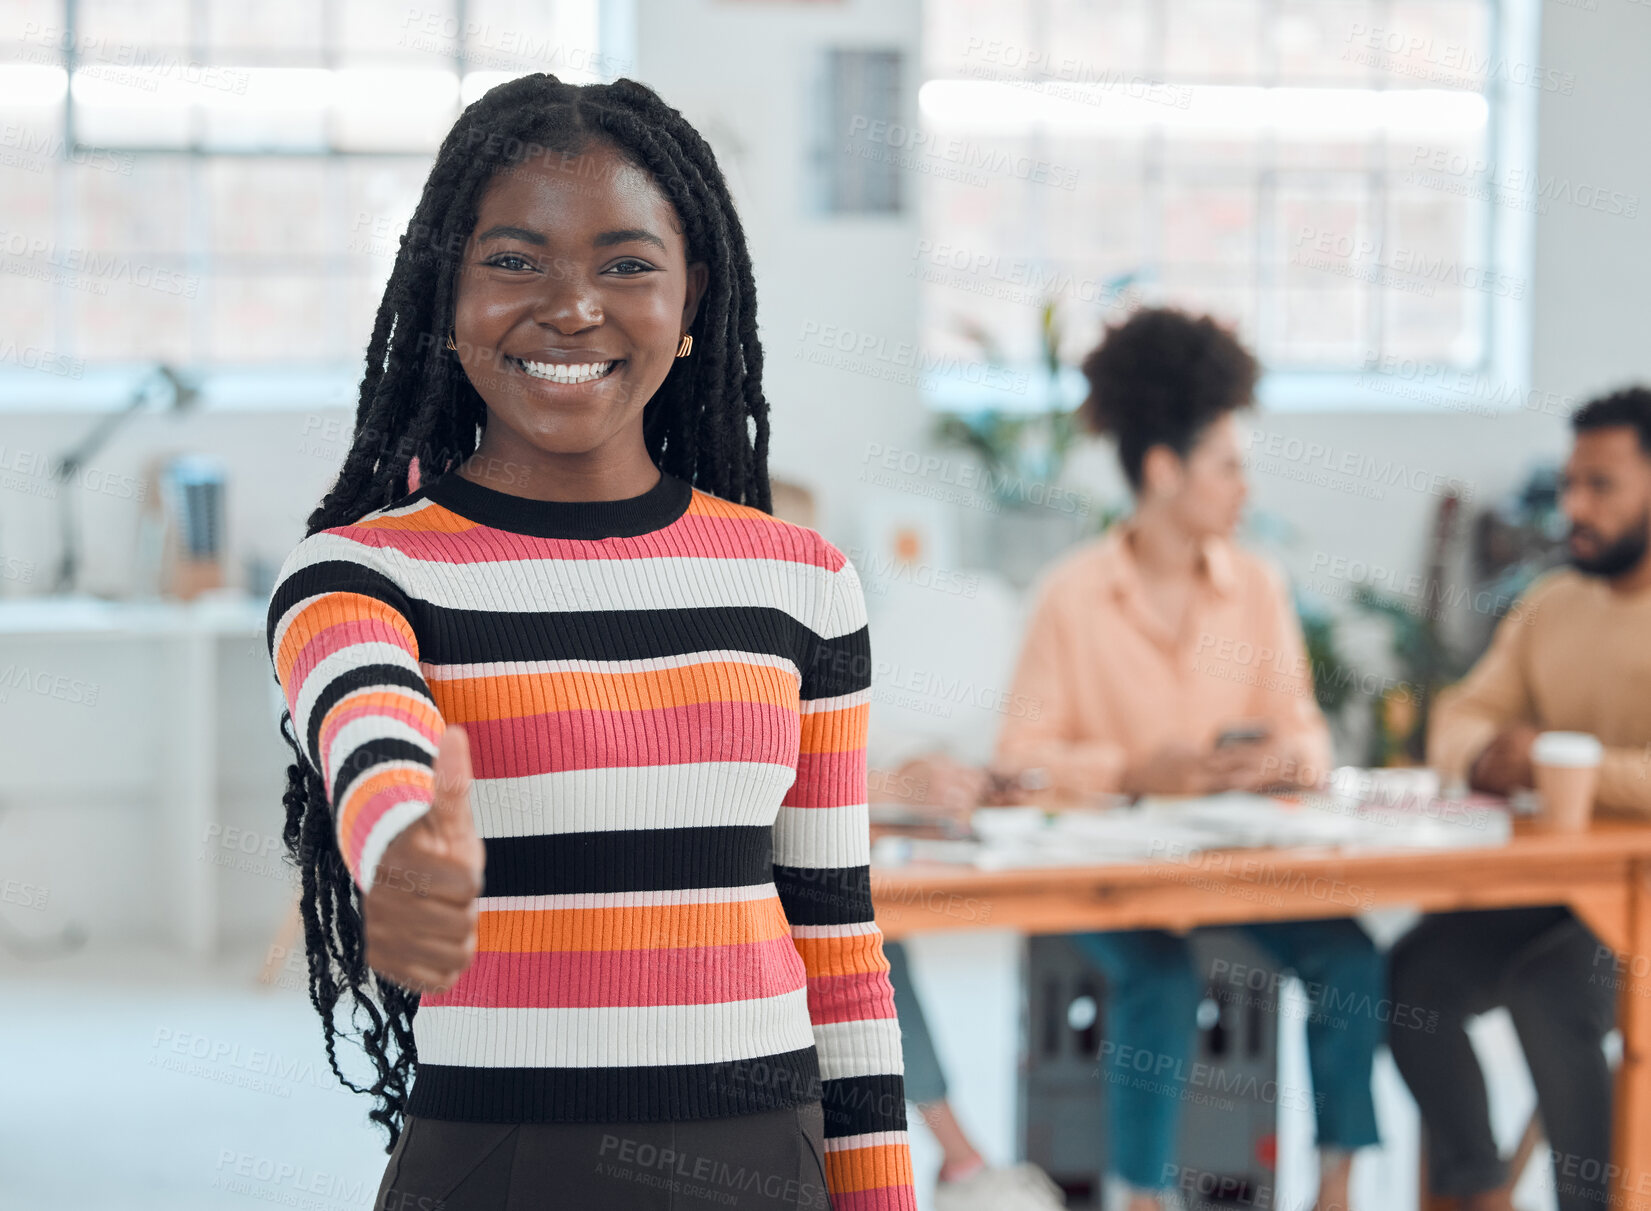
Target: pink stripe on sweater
x=689 y=536
x=412 y=717
x=579 y=979
x=857 y=997
x=702 y=731
x=337 y=637
x=880 y=1198
x=420 y=784
x=828 y=779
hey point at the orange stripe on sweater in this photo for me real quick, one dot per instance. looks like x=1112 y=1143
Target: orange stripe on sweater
x=851 y=954
x=394 y=702
x=432 y=518
x=512 y=696
x=868 y=1168
x=838 y=731
x=639 y=927
x=363 y=789
x=331 y=609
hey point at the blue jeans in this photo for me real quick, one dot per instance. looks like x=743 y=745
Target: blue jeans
x=1151 y=1017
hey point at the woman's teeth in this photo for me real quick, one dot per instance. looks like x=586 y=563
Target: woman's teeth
x=584 y=372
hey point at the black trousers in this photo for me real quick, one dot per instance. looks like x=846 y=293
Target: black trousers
x=1560 y=986
x=770 y=1161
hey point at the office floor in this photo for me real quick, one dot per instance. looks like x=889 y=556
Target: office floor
x=142 y=1081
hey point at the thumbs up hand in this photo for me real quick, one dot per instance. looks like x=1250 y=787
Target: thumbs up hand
x=420 y=914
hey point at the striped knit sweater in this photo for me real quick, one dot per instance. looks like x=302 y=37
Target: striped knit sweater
x=666 y=700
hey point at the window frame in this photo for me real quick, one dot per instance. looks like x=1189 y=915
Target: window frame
x=1496 y=383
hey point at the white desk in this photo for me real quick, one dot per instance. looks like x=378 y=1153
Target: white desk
x=183 y=717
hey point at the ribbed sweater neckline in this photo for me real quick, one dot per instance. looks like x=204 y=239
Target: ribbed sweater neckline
x=655 y=509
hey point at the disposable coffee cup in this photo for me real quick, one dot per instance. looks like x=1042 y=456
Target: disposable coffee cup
x=1566 y=766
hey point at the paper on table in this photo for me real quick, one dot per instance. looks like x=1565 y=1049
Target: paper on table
x=1163 y=827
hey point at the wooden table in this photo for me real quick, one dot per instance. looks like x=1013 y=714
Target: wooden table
x=1604 y=875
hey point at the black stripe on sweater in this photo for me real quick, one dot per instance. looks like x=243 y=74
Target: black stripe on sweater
x=451 y=636
x=855 y=1105
x=839 y=665
x=631 y=859
x=824 y=895
x=333 y=576
x=651 y=1093
x=366 y=676
x=364 y=758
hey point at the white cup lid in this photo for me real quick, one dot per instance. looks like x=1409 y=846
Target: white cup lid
x=1566 y=748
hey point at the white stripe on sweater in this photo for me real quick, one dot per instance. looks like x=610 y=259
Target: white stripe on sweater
x=683 y=795
x=654 y=582
x=613 y=1036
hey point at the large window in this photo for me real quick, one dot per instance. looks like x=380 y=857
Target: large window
x=222 y=184
x=1312 y=171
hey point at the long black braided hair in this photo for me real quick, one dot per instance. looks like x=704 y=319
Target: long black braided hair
x=707 y=423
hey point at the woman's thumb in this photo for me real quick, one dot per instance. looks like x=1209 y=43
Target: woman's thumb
x=450 y=806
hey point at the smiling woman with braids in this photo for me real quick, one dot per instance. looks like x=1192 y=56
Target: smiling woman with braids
x=579 y=790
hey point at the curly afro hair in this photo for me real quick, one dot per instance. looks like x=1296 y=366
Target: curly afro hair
x=1161 y=377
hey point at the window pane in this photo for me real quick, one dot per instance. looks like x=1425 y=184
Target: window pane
x=235 y=26
x=388 y=30
x=1321 y=314
x=27 y=292
x=146 y=212
x=31 y=31
x=266 y=208
x=269 y=317
x=538 y=35
x=977 y=39
x=1265 y=214
x=139 y=307
x=1098 y=40
x=1318 y=40
x=1439 y=280
x=110 y=30
x=1207 y=39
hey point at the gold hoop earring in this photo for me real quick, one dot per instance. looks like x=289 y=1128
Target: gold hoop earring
x=450 y=343
x=687 y=344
